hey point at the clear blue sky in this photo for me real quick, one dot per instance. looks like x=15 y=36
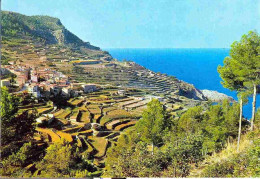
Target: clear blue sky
x=149 y=23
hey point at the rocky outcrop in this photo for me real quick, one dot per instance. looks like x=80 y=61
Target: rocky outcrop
x=48 y=29
x=191 y=92
x=216 y=96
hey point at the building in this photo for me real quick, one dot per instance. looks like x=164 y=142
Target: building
x=121 y=92
x=41 y=119
x=66 y=92
x=34 y=78
x=55 y=90
x=45 y=118
x=88 y=88
x=155 y=97
x=5 y=82
x=21 y=80
x=34 y=90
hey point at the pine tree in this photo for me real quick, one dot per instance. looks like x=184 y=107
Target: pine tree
x=153 y=123
x=246 y=64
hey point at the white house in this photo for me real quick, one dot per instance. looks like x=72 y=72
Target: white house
x=88 y=88
x=34 y=90
x=45 y=117
x=41 y=119
x=66 y=92
x=121 y=92
x=5 y=82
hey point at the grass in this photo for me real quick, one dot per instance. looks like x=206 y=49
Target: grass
x=64 y=114
x=86 y=132
x=65 y=135
x=85 y=117
x=114 y=123
x=89 y=147
x=100 y=144
x=77 y=102
x=133 y=101
x=57 y=113
x=72 y=130
x=138 y=111
x=123 y=126
x=75 y=113
x=230 y=150
x=79 y=143
x=95 y=111
x=54 y=137
x=225 y=155
x=119 y=112
x=42 y=110
x=116 y=114
x=93 y=106
x=111 y=108
x=96 y=116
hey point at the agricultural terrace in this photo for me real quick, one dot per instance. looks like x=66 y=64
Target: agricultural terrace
x=92 y=122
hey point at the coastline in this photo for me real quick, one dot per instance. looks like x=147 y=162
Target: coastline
x=195 y=68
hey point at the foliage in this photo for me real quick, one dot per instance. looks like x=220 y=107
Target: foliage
x=243 y=164
x=14 y=127
x=133 y=159
x=14 y=164
x=179 y=143
x=9 y=105
x=153 y=123
x=241 y=70
x=64 y=160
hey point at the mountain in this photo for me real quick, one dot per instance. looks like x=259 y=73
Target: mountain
x=45 y=28
x=38 y=40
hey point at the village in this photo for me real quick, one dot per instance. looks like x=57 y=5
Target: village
x=43 y=82
x=90 y=115
x=88 y=99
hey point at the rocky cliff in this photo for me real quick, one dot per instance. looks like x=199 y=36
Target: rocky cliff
x=44 y=28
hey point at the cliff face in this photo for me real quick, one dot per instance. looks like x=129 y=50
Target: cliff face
x=48 y=29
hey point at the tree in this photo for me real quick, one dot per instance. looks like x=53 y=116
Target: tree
x=232 y=81
x=15 y=126
x=243 y=98
x=182 y=153
x=190 y=120
x=57 y=160
x=236 y=75
x=9 y=106
x=246 y=64
x=132 y=158
x=65 y=160
x=15 y=162
x=153 y=123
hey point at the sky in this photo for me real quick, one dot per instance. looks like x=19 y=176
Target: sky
x=149 y=23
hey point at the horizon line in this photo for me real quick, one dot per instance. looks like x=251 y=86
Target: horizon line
x=165 y=48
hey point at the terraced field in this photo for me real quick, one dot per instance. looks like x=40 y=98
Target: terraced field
x=95 y=121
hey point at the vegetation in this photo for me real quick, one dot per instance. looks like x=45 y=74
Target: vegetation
x=14 y=127
x=62 y=160
x=237 y=164
x=241 y=69
x=241 y=72
x=153 y=123
x=119 y=135
x=186 y=142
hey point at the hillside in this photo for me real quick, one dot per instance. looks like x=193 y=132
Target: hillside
x=39 y=40
x=230 y=162
x=48 y=29
x=71 y=110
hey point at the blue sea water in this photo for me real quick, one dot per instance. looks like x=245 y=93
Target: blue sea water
x=195 y=66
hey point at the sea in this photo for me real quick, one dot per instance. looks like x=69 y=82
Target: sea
x=197 y=66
